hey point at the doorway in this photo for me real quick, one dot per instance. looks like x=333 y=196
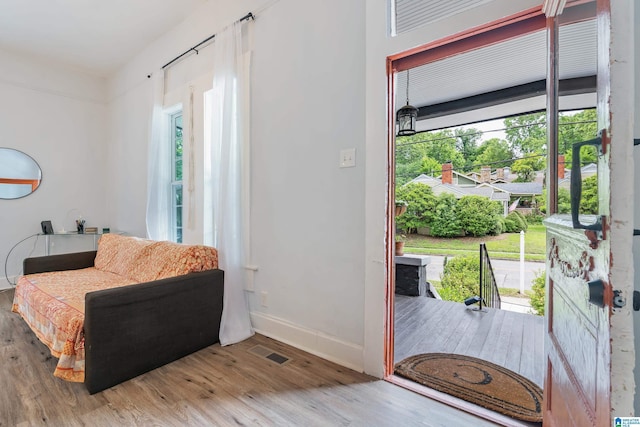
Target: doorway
x=456 y=102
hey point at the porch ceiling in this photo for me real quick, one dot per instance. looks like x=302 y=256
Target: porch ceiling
x=504 y=65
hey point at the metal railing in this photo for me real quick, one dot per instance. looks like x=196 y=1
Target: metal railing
x=489 y=294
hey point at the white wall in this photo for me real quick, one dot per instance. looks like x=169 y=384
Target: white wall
x=308 y=103
x=57 y=115
x=317 y=231
x=308 y=225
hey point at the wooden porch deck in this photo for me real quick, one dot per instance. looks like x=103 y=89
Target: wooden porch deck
x=512 y=340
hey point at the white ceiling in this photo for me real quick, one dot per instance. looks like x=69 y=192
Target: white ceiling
x=100 y=36
x=95 y=35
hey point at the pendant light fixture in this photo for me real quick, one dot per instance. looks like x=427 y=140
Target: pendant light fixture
x=407 y=116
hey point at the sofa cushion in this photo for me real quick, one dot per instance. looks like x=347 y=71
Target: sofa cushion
x=168 y=259
x=123 y=255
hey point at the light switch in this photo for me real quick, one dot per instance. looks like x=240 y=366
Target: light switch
x=348 y=158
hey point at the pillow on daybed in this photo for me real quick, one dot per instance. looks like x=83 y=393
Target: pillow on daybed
x=147 y=260
x=168 y=259
x=122 y=255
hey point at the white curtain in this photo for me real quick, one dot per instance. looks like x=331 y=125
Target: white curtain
x=228 y=126
x=159 y=166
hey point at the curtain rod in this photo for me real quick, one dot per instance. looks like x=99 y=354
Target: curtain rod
x=248 y=16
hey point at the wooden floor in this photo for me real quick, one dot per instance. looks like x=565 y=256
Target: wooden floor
x=216 y=386
x=512 y=340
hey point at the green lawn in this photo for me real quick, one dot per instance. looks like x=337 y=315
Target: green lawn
x=504 y=246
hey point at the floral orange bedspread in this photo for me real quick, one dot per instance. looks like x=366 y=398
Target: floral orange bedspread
x=52 y=304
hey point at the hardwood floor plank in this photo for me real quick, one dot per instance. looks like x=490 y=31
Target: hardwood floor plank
x=222 y=386
x=465 y=328
x=531 y=353
x=472 y=344
x=514 y=354
x=509 y=339
x=494 y=347
x=418 y=315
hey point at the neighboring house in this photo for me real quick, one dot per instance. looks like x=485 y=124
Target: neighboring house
x=463 y=180
x=512 y=195
x=524 y=193
x=459 y=191
x=585 y=172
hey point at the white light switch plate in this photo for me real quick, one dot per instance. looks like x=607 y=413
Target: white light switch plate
x=348 y=158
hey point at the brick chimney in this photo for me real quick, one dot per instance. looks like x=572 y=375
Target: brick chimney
x=561 y=166
x=447 y=173
x=500 y=173
x=485 y=174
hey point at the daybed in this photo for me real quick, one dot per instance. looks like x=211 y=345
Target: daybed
x=129 y=307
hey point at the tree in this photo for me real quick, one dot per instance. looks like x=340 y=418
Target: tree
x=527 y=133
x=495 y=152
x=576 y=127
x=430 y=166
x=589 y=199
x=527 y=167
x=588 y=154
x=405 y=173
x=467 y=144
x=408 y=158
x=437 y=147
x=421 y=205
x=442 y=148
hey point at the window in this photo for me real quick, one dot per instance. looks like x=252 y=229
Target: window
x=176 y=176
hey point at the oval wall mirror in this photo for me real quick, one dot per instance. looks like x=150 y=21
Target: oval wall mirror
x=20 y=175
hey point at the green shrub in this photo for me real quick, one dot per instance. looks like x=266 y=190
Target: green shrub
x=478 y=215
x=538 y=293
x=533 y=219
x=589 y=200
x=460 y=278
x=564 y=201
x=420 y=206
x=522 y=217
x=445 y=222
x=499 y=226
x=515 y=223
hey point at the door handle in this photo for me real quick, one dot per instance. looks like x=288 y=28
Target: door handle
x=576 y=185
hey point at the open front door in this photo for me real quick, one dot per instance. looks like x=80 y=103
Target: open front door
x=589 y=338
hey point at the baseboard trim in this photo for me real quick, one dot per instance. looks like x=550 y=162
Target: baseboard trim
x=322 y=345
x=4 y=283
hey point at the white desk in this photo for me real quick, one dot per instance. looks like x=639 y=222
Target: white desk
x=60 y=243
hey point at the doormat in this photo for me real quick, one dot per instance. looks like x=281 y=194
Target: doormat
x=476 y=381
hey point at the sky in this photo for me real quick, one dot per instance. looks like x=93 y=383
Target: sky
x=488 y=126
